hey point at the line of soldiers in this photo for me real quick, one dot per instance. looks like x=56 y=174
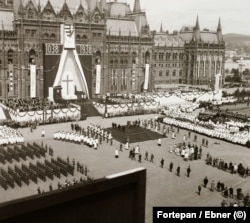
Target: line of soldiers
x=32 y=172
x=21 y=152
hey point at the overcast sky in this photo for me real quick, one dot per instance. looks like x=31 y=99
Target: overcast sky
x=173 y=14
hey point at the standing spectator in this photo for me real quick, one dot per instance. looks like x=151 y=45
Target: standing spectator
x=43 y=133
x=39 y=190
x=139 y=158
x=199 y=190
x=206 y=143
x=188 y=171
x=231 y=192
x=212 y=185
x=159 y=142
x=195 y=138
x=171 y=165
x=152 y=158
x=116 y=153
x=146 y=155
x=178 y=170
x=218 y=185
x=205 y=181
x=50 y=187
x=162 y=163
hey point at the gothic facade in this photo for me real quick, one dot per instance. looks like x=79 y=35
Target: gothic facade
x=117 y=51
x=190 y=56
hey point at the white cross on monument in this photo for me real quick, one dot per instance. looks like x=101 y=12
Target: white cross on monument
x=67 y=82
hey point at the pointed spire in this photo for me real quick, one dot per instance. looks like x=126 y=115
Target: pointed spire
x=161 y=30
x=219 y=26
x=20 y=9
x=39 y=7
x=137 y=7
x=197 y=26
x=219 y=32
x=197 y=34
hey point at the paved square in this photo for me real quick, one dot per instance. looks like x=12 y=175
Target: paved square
x=164 y=188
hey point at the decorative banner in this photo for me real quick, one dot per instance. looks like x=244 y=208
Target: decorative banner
x=98 y=79
x=32 y=81
x=146 y=77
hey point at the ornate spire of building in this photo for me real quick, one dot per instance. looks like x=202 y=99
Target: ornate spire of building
x=20 y=9
x=161 y=30
x=197 y=26
x=39 y=7
x=219 y=27
x=219 y=32
x=197 y=34
x=137 y=6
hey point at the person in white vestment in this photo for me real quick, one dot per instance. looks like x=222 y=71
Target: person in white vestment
x=116 y=153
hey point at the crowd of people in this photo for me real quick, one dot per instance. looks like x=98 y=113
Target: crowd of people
x=220 y=131
x=231 y=167
x=234 y=195
x=10 y=136
x=32 y=104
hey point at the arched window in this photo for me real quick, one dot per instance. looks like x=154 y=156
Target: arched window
x=134 y=58
x=84 y=37
x=98 y=57
x=32 y=55
x=10 y=56
x=160 y=73
x=78 y=37
x=147 y=57
x=53 y=36
x=46 y=36
x=174 y=73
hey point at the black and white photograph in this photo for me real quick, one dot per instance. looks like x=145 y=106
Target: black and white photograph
x=110 y=109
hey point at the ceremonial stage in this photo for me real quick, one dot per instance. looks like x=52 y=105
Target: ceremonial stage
x=133 y=134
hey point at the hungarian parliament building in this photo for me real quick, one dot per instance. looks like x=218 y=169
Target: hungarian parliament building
x=97 y=47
